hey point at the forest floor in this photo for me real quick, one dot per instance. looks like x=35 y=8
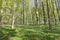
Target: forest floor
x=29 y=32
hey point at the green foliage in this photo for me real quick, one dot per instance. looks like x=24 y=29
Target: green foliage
x=28 y=33
x=25 y=13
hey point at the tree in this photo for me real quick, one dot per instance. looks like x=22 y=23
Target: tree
x=1 y=11
x=57 y=8
x=53 y=9
x=23 y=11
x=43 y=13
x=50 y=27
x=36 y=11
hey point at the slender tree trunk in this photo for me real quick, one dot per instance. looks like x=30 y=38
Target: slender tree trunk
x=13 y=17
x=23 y=12
x=36 y=12
x=50 y=27
x=32 y=16
x=0 y=17
x=1 y=11
x=57 y=8
x=54 y=13
x=44 y=13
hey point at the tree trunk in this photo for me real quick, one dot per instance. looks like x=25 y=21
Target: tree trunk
x=23 y=12
x=36 y=12
x=50 y=27
x=54 y=13
x=0 y=17
x=57 y=8
x=13 y=21
x=44 y=13
x=13 y=17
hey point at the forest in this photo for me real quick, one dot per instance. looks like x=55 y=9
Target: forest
x=29 y=19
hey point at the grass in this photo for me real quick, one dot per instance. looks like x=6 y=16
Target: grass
x=29 y=32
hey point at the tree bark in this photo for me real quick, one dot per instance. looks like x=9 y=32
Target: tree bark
x=36 y=12
x=23 y=12
x=57 y=8
x=54 y=13
x=44 y=13
x=50 y=27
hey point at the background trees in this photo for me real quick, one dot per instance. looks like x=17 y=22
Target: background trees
x=30 y=12
x=31 y=19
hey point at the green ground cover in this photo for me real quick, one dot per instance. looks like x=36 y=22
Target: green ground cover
x=29 y=32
